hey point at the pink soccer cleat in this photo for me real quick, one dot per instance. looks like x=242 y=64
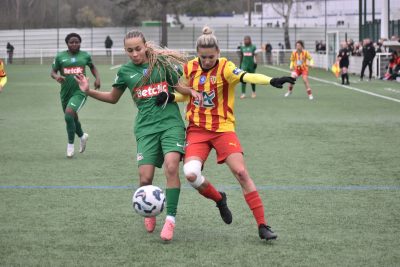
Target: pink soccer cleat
x=167 y=232
x=150 y=224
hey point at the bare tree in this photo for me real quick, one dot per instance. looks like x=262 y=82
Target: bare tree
x=284 y=8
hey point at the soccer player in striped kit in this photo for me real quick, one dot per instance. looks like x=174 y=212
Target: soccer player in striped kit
x=70 y=63
x=212 y=125
x=3 y=76
x=299 y=62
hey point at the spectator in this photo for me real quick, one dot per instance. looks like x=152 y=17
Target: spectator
x=239 y=53
x=393 y=68
x=357 y=50
x=350 y=46
x=108 y=44
x=379 y=46
x=10 y=52
x=268 y=53
x=369 y=54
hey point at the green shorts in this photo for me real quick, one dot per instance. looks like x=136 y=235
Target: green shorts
x=152 y=148
x=75 y=102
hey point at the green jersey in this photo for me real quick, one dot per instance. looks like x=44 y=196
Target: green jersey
x=150 y=118
x=69 y=65
x=248 y=53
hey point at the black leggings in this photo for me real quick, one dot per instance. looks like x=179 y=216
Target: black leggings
x=364 y=65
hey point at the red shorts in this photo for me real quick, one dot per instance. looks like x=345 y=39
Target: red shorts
x=200 y=141
x=298 y=72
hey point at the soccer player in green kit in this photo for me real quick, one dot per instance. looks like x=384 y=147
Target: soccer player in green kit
x=70 y=63
x=248 y=63
x=159 y=130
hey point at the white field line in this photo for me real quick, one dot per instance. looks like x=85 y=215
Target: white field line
x=343 y=86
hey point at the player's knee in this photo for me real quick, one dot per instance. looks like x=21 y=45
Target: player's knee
x=241 y=174
x=69 y=117
x=192 y=171
x=171 y=169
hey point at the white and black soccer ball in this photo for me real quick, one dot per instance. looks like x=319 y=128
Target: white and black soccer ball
x=148 y=201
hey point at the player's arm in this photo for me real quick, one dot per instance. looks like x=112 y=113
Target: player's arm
x=182 y=94
x=110 y=97
x=257 y=78
x=3 y=81
x=95 y=73
x=55 y=76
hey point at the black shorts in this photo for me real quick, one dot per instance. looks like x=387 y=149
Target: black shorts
x=344 y=64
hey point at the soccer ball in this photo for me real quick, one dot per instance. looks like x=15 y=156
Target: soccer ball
x=148 y=201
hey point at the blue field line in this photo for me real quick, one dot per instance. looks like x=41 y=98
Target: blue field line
x=222 y=187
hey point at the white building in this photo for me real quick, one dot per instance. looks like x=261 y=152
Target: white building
x=311 y=13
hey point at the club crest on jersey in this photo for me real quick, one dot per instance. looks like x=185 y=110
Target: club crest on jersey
x=207 y=100
x=73 y=70
x=150 y=90
x=203 y=79
x=144 y=72
x=73 y=60
x=237 y=71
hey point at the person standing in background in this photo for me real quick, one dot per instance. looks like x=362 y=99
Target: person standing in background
x=10 y=53
x=248 y=63
x=369 y=54
x=108 y=43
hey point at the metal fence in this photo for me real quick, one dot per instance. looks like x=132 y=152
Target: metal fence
x=373 y=29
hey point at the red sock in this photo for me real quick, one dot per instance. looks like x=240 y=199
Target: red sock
x=309 y=91
x=255 y=204
x=211 y=193
x=290 y=87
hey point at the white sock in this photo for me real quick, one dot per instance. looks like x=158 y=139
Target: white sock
x=170 y=218
x=70 y=145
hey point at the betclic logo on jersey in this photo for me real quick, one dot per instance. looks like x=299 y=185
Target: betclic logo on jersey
x=151 y=90
x=73 y=70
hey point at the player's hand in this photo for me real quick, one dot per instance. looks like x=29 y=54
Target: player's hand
x=164 y=98
x=60 y=79
x=83 y=82
x=197 y=96
x=279 y=82
x=97 y=84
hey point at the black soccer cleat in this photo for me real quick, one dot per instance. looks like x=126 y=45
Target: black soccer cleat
x=224 y=211
x=265 y=232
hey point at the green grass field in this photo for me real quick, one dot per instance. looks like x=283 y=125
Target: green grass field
x=328 y=171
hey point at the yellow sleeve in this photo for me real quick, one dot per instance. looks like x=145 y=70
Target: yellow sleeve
x=3 y=81
x=292 y=60
x=232 y=73
x=256 y=78
x=181 y=98
x=310 y=59
x=291 y=65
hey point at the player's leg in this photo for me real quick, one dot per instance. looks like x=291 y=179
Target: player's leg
x=346 y=75
x=243 y=95
x=148 y=157
x=172 y=144
x=69 y=116
x=307 y=84
x=236 y=164
x=295 y=75
x=76 y=103
x=196 y=154
x=253 y=90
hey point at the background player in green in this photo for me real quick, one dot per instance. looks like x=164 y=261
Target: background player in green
x=70 y=63
x=248 y=63
x=159 y=129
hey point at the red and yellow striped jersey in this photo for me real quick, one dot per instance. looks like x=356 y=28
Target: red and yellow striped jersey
x=218 y=88
x=2 y=71
x=299 y=60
